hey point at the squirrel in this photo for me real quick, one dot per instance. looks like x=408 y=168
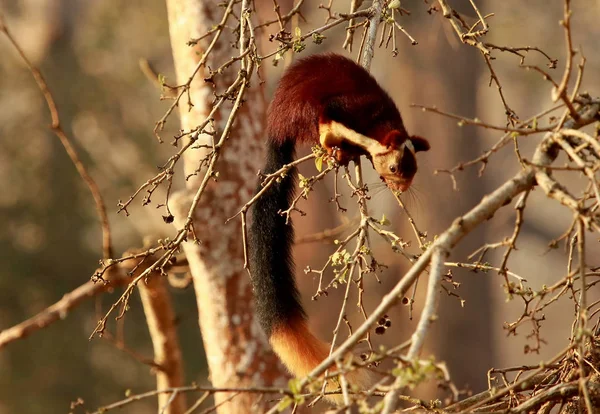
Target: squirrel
x=330 y=100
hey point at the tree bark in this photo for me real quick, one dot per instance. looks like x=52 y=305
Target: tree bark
x=238 y=353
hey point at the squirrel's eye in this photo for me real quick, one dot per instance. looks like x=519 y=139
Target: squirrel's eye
x=393 y=169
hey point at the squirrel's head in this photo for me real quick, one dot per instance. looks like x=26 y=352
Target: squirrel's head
x=394 y=159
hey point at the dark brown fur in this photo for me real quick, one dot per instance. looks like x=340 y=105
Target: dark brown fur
x=331 y=87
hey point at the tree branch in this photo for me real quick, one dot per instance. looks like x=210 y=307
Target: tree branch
x=66 y=142
x=160 y=318
x=60 y=309
x=524 y=180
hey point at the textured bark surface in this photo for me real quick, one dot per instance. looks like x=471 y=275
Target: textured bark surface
x=238 y=353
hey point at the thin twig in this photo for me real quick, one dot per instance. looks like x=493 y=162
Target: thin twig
x=66 y=142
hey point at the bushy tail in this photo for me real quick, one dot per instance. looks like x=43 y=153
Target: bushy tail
x=270 y=242
x=277 y=299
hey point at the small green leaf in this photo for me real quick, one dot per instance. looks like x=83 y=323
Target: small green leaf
x=319 y=163
x=298 y=46
x=298 y=32
x=394 y=4
x=318 y=38
x=335 y=258
x=342 y=276
x=285 y=403
x=347 y=257
x=341 y=258
x=294 y=385
x=384 y=221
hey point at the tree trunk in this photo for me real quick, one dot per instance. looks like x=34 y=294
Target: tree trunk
x=238 y=353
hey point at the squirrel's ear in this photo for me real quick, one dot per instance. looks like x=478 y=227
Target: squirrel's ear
x=420 y=144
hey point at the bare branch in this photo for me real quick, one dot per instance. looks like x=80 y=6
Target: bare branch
x=160 y=318
x=61 y=309
x=66 y=142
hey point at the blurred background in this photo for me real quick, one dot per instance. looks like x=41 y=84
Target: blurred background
x=50 y=239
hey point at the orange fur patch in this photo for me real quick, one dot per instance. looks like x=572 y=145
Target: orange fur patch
x=298 y=348
x=301 y=352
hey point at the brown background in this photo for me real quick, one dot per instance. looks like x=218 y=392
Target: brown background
x=50 y=240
